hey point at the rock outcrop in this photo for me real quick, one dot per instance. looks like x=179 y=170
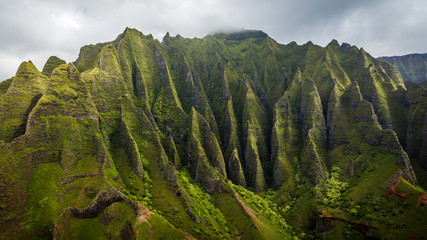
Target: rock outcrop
x=103 y=199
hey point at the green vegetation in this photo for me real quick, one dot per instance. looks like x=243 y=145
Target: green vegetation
x=331 y=188
x=265 y=209
x=52 y=63
x=413 y=67
x=233 y=136
x=202 y=205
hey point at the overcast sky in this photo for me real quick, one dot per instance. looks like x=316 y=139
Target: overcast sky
x=36 y=29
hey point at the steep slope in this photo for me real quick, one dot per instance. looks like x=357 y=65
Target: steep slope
x=17 y=102
x=52 y=63
x=143 y=139
x=416 y=130
x=413 y=67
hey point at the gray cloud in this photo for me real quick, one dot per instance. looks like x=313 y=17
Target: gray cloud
x=38 y=29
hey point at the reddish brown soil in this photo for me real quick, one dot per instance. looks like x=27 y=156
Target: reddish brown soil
x=143 y=214
x=358 y=226
x=393 y=192
x=422 y=200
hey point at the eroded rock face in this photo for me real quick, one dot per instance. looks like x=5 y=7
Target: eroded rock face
x=350 y=168
x=103 y=199
x=128 y=232
x=314 y=133
x=204 y=154
x=235 y=170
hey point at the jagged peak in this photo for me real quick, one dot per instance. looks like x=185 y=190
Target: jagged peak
x=312 y=162
x=193 y=111
x=54 y=58
x=309 y=43
x=333 y=43
x=355 y=95
x=195 y=116
x=309 y=84
x=292 y=44
x=133 y=31
x=52 y=63
x=27 y=68
x=167 y=38
x=366 y=54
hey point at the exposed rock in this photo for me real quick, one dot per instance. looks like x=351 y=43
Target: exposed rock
x=284 y=138
x=204 y=155
x=171 y=151
x=127 y=231
x=230 y=135
x=201 y=132
x=389 y=140
x=406 y=172
x=254 y=171
x=132 y=151
x=350 y=168
x=312 y=113
x=311 y=163
x=193 y=216
x=336 y=134
x=368 y=126
x=235 y=172
x=324 y=224
x=103 y=199
x=314 y=133
x=422 y=200
x=365 y=112
x=255 y=127
x=355 y=95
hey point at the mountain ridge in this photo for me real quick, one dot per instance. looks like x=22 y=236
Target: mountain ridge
x=169 y=125
x=411 y=66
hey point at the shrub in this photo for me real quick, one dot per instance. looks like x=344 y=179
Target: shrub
x=330 y=189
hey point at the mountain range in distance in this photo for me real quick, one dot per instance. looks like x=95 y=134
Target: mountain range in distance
x=413 y=67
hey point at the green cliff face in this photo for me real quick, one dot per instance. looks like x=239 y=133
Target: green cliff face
x=233 y=136
x=18 y=100
x=52 y=63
